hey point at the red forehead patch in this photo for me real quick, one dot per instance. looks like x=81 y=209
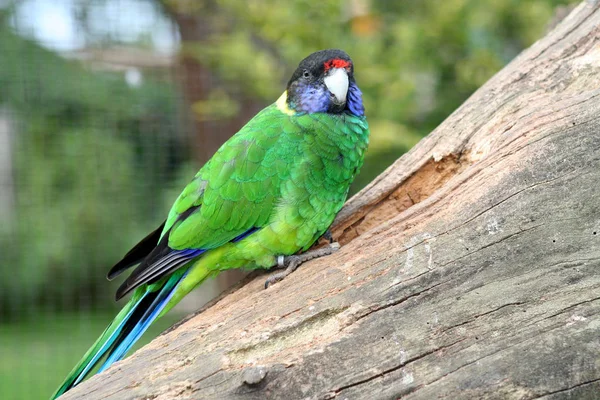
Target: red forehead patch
x=336 y=63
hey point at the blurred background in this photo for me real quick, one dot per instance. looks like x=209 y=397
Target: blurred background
x=109 y=107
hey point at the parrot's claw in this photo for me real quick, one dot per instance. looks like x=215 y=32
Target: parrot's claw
x=291 y=263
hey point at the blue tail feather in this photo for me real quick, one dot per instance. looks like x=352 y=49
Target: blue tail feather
x=151 y=313
x=106 y=344
x=124 y=331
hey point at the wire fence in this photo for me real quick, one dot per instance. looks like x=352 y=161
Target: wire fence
x=94 y=145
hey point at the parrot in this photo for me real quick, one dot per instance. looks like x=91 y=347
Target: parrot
x=262 y=200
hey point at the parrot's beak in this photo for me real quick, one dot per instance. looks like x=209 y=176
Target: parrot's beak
x=337 y=84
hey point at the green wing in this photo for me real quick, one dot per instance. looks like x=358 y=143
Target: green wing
x=235 y=193
x=237 y=190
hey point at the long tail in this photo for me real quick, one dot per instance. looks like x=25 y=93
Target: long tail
x=128 y=326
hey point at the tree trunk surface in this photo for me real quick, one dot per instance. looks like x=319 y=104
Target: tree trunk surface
x=469 y=269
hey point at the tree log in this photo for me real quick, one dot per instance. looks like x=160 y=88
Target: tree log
x=469 y=269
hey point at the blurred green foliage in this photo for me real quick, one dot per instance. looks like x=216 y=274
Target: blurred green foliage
x=87 y=174
x=97 y=161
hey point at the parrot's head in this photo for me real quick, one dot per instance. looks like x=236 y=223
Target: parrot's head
x=323 y=83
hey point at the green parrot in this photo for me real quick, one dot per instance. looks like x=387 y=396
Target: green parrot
x=269 y=192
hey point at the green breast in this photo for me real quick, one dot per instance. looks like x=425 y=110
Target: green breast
x=323 y=155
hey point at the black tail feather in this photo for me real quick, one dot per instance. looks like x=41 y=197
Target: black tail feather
x=137 y=254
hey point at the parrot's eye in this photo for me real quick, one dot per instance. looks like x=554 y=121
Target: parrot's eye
x=306 y=74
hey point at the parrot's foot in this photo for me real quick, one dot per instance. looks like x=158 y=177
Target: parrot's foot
x=291 y=263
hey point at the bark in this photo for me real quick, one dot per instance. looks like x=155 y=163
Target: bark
x=469 y=269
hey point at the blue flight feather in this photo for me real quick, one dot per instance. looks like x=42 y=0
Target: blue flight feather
x=149 y=316
x=107 y=344
x=245 y=234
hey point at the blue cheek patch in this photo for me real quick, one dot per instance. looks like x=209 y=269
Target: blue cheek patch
x=317 y=99
x=354 y=103
x=312 y=99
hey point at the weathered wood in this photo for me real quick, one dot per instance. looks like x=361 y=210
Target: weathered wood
x=471 y=267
